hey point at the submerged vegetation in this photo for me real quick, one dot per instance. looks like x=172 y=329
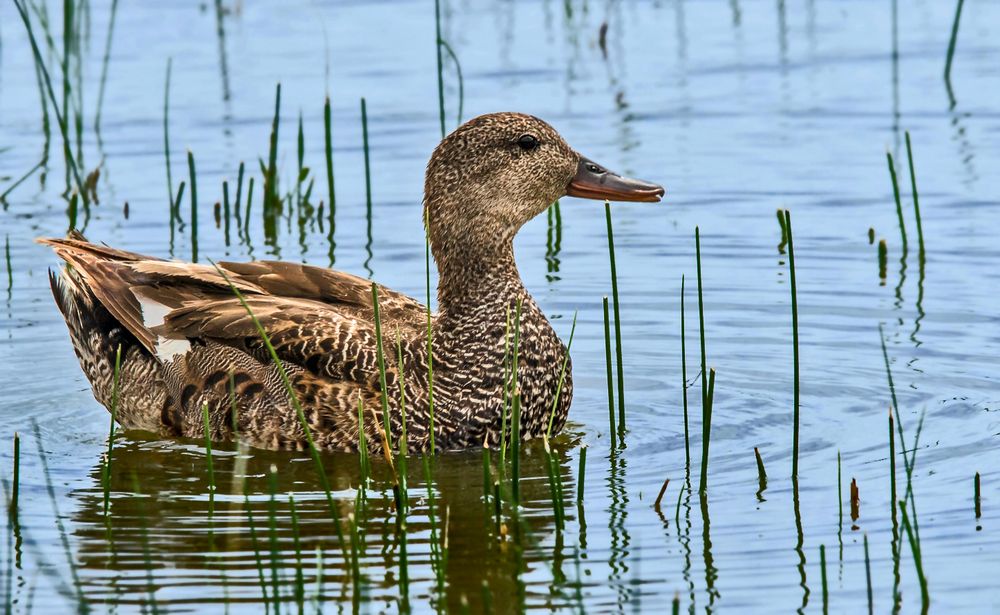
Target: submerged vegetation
x=397 y=530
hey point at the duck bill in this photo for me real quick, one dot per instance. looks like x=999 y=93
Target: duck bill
x=592 y=181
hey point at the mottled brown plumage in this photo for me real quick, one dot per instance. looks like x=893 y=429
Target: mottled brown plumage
x=187 y=342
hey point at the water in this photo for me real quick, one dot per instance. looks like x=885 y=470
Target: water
x=738 y=108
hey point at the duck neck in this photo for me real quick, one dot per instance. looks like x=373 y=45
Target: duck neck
x=477 y=275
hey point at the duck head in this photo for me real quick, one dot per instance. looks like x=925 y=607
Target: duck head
x=496 y=172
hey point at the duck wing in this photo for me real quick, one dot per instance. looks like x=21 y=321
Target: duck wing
x=319 y=319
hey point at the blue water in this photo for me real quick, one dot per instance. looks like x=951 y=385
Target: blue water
x=738 y=108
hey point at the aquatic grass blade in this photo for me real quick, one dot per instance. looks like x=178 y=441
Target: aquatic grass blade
x=796 y=392
x=166 y=131
x=562 y=378
x=208 y=460
x=706 y=431
x=620 y=368
x=194 y=207
x=115 y=386
x=608 y=364
x=380 y=357
x=895 y=194
x=684 y=388
x=916 y=197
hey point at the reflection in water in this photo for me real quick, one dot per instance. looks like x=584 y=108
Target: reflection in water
x=223 y=64
x=553 y=242
x=711 y=573
x=620 y=538
x=172 y=524
x=895 y=78
x=800 y=540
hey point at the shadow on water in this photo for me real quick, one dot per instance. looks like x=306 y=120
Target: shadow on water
x=169 y=523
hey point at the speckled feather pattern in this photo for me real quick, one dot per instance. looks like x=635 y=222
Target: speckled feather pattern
x=481 y=187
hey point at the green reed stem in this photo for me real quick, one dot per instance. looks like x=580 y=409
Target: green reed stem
x=562 y=378
x=430 y=339
x=607 y=361
x=246 y=218
x=328 y=143
x=364 y=141
x=104 y=65
x=294 y=399
x=892 y=466
x=952 y=41
x=883 y=259
x=618 y=323
x=301 y=158
x=684 y=377
x=256 y=553
x=271 y=198
x=380 y=356
x=553 y=490
x=907 y=463
x=71 y=211
x=461 y=82
x=225 y=208
x=796 y=392
x=440 y=75
x=868 y=578
x=362 y=445
x=975 y=487
x=166 y=131
x=895 y=194
x=176 y=206
x=916 y=197
x=706 y=431
x=404 y=441
x=659 y=496
x=60 y=116
x=16 y=481
x=238 y=203
x=581 y=475
x=68 y=47
x=917 y=558
x=208 y=460
x=194 y=208
x=761 y=473
x=822 y=568
x=840 y=496
x=10 y=269
x=115 y=386
x=701 y=318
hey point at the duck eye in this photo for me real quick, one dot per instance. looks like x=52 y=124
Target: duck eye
x=527 y=142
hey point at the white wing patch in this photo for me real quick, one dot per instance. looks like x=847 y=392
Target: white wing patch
x=153 y=315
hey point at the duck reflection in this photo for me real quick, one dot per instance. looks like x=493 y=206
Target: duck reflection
x=161 y=541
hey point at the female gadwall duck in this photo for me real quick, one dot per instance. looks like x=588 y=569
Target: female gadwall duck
x=188 y=343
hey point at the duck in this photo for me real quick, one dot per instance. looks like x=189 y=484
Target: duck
x=192 y=363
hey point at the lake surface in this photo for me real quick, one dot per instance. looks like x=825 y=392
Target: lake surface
x=739 y=108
